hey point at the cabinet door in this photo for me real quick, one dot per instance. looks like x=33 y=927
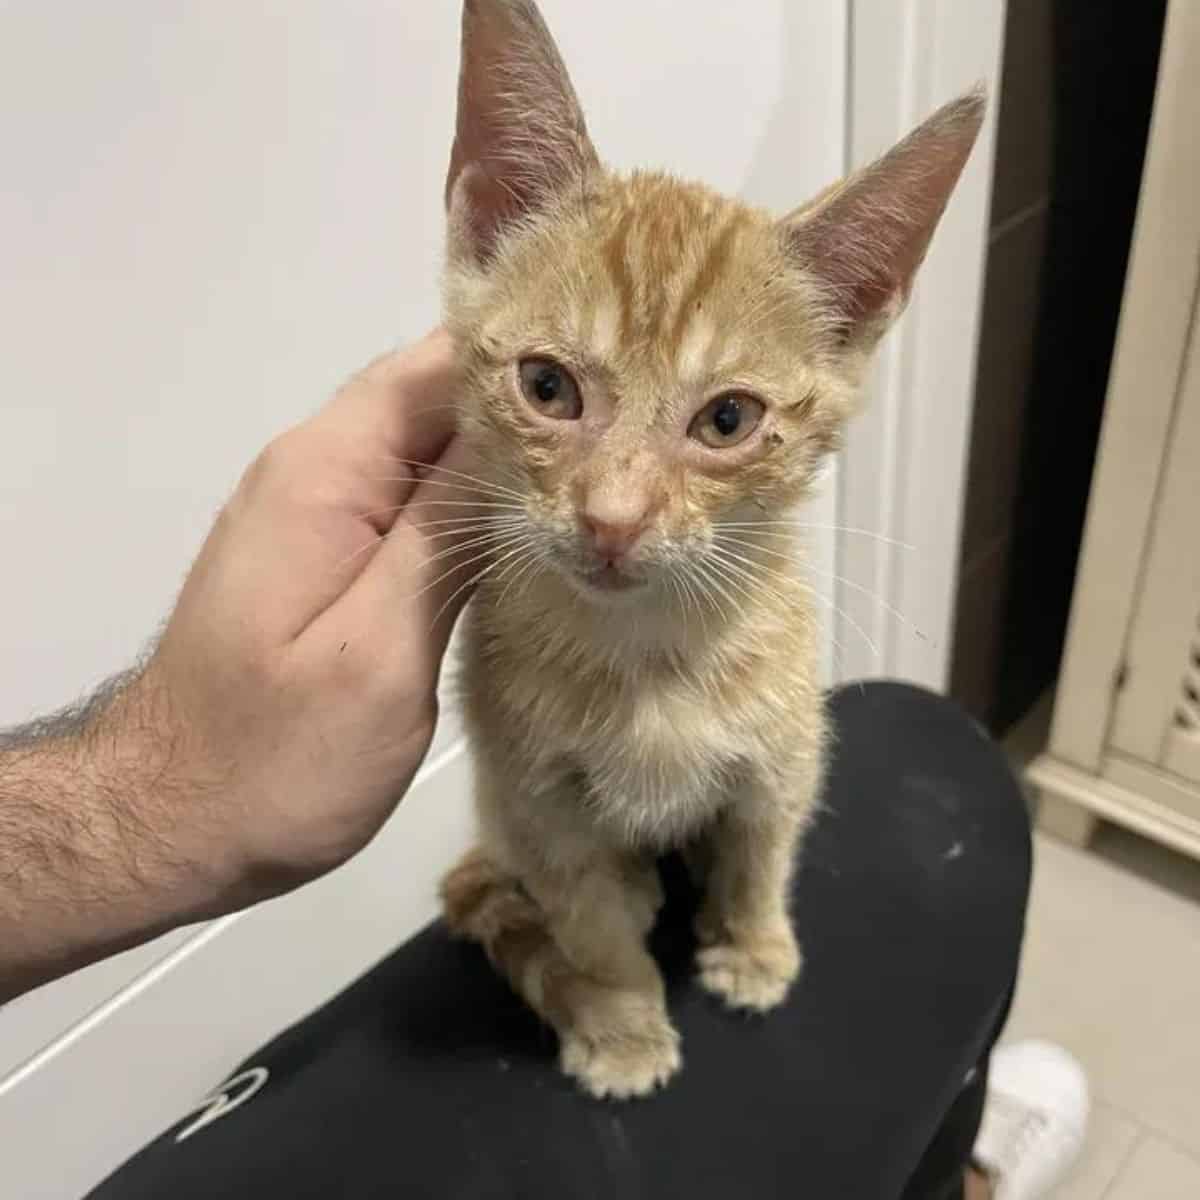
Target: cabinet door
x=1157 y=717
x=1182 y=755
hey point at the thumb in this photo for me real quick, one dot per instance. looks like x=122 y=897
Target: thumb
x=456 y=529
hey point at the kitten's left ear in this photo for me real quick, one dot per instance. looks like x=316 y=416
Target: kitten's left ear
x=865 y=237
x=520 y=141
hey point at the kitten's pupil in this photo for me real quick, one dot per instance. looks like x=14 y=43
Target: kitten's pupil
x=550 y=389
x=547 y=384
x=727 y=416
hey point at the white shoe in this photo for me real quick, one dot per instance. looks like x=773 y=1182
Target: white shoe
x=1034 y=1119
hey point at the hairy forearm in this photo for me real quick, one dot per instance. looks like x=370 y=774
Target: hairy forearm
x=285 y=708
x=93 y=851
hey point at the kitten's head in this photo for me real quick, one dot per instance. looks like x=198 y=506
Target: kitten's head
x=648 y=362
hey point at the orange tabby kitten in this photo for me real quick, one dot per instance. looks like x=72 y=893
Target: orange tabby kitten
x=653 y=373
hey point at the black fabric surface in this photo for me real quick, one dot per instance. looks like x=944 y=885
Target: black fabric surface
x=428 y=1078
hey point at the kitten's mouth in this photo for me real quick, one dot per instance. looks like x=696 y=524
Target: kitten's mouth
x=610 y=578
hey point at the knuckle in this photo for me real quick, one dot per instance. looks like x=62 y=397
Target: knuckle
x=277 y=461
x=299 y=470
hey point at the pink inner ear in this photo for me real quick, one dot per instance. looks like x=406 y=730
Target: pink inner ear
x=864 y=258
x=869 y=237
x=484 y=206
x=520 y=139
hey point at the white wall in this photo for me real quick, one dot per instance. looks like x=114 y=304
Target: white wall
x=902 y=475
x=211 y=212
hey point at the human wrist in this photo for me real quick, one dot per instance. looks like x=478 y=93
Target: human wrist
x=162 y=792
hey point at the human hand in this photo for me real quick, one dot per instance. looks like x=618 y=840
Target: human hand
x=296 y=681
x=288 y=704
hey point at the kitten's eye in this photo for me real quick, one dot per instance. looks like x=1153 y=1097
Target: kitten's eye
x=727 y=420
x=550 y=389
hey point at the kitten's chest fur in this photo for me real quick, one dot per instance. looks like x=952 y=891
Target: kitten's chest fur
x=661 y=764
x=649 y=748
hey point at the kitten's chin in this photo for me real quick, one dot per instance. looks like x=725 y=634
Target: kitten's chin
x=606 y=584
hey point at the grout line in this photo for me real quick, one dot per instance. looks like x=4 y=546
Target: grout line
x=1126 y=1159
x=1150 y=1129
x=1018 y=218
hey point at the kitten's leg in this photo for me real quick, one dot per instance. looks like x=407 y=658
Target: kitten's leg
x=607 y=1002
x=563 y=913
x=645 y=891
x=570 y=938
x=748 y=951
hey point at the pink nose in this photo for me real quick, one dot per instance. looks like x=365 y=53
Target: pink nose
x=612 y=540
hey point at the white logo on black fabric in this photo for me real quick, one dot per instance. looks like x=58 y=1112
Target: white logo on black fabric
x=233 y=1093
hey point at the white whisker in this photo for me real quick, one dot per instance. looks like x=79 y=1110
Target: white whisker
x=700 y=599
x=841 y=612
x=678 y=591
x=475 y=479
x=723 y=549
x=465 y=519
x=515 y=538
x=703 y=585
x=416 y=504
x=410 y=503
x=813 y=526
x=715 y=580
x=493 y=536
x=473 y=580
x=835 y=578
x=752 y=582
x=757 y=566
x=500 y=524
x=523 y=566
x=343 y=562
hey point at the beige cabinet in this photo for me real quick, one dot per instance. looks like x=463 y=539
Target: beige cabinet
x=1125 y=738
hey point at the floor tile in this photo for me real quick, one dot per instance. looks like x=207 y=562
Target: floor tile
x=1110 y=1139
x=1157 y=1171
x=1112 y=972
x=1148 y=859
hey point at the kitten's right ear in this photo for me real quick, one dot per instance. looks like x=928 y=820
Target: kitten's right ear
x=865 y=237
x=521 y=140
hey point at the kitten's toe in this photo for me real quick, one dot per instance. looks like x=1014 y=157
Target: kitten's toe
x=751 y=975
x=619 y=1064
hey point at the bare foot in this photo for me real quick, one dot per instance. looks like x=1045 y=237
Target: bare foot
x=976 y=1185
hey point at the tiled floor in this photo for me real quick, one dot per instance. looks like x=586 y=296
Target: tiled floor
x=1112 y=972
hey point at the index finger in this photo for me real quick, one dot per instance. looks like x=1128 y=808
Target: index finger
x=402 y=404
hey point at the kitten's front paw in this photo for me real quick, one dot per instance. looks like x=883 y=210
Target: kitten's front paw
x=750 y=974
x=620 y=1063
